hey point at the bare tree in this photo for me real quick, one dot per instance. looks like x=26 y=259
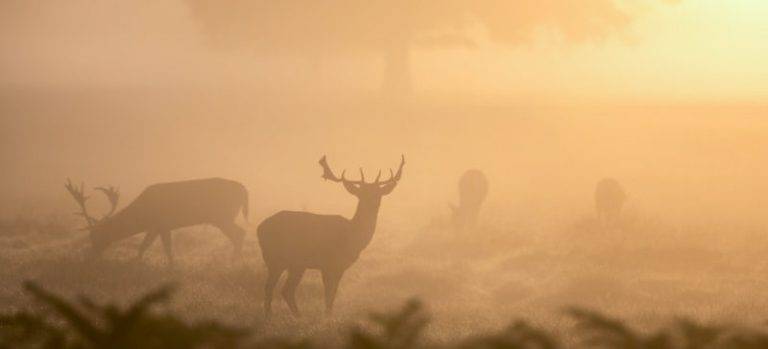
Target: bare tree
x=163 y=207
x=473 y=188
x=609 y=200
x=297 y=241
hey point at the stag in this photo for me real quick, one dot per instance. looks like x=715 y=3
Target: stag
x=297 y=241
x=609 y=200
x=163 y=207
x=473 y=187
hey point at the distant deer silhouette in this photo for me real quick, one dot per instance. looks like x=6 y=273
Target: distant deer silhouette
x=163 y=207
x=609 y=200
x=473 y=188
x=297 y=241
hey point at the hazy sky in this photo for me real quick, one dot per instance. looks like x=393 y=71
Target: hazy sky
x=695 y=51
x=137 y=92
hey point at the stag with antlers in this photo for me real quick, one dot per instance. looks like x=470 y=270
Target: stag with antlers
x=297 y=241
x=163 y=207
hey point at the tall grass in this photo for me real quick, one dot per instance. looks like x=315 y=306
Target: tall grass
x=57 y=322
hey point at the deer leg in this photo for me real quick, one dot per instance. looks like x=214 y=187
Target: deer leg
x=149 y=238
x=289 y=290
x=273 y=275
x=331 y=279
x=166 y=238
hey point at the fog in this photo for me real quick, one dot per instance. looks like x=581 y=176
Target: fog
x=546 y=98
x=674 y=160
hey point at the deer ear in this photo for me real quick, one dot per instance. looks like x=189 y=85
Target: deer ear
x=387 y=188
x=351 y=188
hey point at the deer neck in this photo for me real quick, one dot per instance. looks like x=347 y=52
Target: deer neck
x=364 y=221
x=118 y=227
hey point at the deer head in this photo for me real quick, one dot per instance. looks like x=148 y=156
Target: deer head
x=78 y=194
x=363 y=190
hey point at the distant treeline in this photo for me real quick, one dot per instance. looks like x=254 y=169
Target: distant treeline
x=82 y=323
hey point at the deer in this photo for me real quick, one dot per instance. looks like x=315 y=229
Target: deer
x=609 y=200
x=473 y=188
x=295 y=241
x=162 y=207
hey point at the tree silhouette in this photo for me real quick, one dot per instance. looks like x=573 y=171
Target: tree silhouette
x=393 y=28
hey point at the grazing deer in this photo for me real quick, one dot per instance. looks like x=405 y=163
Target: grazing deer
x=163 y=207
x=297 y=241
x=473 y=187
x=609 y=200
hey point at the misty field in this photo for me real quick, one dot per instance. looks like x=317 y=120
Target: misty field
x=555 y=174
x=691 y=241
x=648 y=273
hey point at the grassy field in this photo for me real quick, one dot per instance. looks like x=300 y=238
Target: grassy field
x=648 y=273
x=691 y=242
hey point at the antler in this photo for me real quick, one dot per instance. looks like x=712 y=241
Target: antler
x=112 y=193
x=80 y=198
x=328 y=174
x=392 y=176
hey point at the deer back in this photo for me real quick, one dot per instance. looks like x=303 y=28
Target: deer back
x=308 y=240
x=167 y=206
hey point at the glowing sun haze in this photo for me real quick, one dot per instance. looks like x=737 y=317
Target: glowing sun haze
x=696 y=51
x=703 y=51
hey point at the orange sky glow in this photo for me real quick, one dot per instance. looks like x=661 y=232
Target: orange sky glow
x=696 y=51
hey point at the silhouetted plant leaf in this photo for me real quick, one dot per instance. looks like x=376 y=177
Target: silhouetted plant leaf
x=696 y=336
x=109 y=326
x=140 y=326
x=78 y=321
x=24 y=329
x=601 y=331
x=398 y=330
x=518 y=335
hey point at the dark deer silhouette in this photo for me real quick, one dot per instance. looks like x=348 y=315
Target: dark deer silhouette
x=166 y=206
x=297 y=241
x=609 y=200
x=473 y=187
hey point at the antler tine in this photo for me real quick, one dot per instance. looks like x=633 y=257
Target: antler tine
x=113 y=195
x=79 y=196
x=396 y=177
x=328 y=173
x=76 y=193
x=400 y=170
x=378 y=176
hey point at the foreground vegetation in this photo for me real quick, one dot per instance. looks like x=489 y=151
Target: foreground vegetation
x=472 y=285
x=60 y=323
